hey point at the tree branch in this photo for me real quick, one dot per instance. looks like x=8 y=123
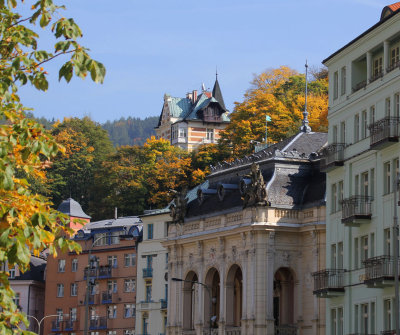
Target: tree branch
x=18 y=22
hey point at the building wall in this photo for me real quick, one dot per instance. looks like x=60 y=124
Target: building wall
x=119 y=299
x=152 y=308
x=257 y=244
x=31 y=300
x=359 y=158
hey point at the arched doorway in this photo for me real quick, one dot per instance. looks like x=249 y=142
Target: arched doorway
x=284 y=297
x=234 y=296
x=190 y=289
x=213 y=283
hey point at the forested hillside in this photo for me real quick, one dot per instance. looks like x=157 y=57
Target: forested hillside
x=131 y=131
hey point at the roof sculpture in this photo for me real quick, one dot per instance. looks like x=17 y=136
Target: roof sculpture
x=285 y=175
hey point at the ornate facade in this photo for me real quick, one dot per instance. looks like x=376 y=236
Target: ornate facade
x=241 y=260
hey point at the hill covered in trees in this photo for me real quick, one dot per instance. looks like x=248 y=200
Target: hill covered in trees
x=131 y=131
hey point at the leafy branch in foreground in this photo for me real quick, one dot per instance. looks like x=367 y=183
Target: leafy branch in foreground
x=28 y=224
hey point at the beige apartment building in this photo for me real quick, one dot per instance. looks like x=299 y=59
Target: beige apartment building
x=106 y=267
x=362 y=166
x=194 y=120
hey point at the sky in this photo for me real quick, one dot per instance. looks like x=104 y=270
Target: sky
x=153 y=47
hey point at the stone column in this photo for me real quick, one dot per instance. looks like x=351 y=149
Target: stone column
x=222 y=302
x=169 y=307
x=299 y=288
x=315 y=255
x=369 y=65
x=245 y=291
x=269 y=277
x=222 y=316
x=202 y=291
x=386 y=56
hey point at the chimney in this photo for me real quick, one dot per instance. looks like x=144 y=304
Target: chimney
x=189 y=96
x=194 y=96
x=116 y=213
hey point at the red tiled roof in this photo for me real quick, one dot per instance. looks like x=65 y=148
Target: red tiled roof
x=394 y=6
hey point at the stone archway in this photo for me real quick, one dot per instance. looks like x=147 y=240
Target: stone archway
x=213 y=283
x=190 y=290
x=284 y=297
x=234 y=296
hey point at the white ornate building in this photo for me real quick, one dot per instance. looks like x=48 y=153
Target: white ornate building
x=242 y=246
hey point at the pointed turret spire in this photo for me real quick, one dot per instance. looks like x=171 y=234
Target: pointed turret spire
x=305 y=128
x=216 y=92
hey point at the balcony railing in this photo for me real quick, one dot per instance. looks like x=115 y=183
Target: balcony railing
x=103 y=271
x=56 y=325
x=286 y=330
x=98 y=323
x=147 y=272
x=328 y=283
x=388 y=332
x=356 y=210
x=212 y=118
x=91 y=271
x=233 y=331
x=376 y=76
x=164 y=303
x=189 y=332
x=392 y=66
x=384 y=131
x=379 y=271
x=359 y=86
x=93 y=299
x=333 y=155
x=70 y=325
x=206 y=331
x=107 y=297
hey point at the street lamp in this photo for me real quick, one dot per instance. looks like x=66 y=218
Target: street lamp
x=39 y=322
x=208 y=290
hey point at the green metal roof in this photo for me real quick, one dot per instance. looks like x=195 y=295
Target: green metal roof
x=178 y=107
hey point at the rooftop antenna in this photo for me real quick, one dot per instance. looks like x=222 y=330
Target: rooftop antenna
x=305 y=128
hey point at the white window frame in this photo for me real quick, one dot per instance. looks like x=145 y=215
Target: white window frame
x=74 y=289
x=74 y=265
x=61 y=265
x=60 y=290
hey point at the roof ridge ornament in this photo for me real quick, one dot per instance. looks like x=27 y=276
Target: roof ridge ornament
x=305 y=128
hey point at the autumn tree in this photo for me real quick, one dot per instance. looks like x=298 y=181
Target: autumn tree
x=203 y=157
x=278 y=93
x=86 y=145
x=141 y=177
x=28 y=224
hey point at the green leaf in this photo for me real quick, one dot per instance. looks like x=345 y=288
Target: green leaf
x=66 y=71
x=45 y=19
